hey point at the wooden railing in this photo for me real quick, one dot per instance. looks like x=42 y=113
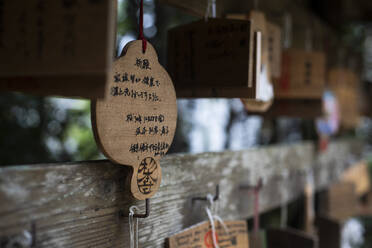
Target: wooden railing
x=85 y=204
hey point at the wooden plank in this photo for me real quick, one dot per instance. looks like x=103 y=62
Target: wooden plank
x=85 y=204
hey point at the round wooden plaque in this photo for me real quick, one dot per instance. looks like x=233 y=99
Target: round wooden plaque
x=135 y=124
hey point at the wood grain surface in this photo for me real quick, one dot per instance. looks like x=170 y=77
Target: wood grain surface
x=135 y=124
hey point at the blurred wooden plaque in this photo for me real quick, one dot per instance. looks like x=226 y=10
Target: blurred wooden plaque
x=303 y=75
x=212 y=58
x=135 y=124
x=344 y=83
x=62 y=48
x=274 y=47
x=339 y=202
x=299 y=90
x=201 y=236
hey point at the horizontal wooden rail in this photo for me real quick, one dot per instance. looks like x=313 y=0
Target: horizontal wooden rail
x=85 y=204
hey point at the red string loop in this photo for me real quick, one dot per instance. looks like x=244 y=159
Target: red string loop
x=256 y=218
x=141 y=36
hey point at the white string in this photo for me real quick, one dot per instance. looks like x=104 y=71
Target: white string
x=211 y=220
x=133 y=228
x=211 y=6
x=287 y=30
x=284 y=199
x=283 y=215
x=212 y=216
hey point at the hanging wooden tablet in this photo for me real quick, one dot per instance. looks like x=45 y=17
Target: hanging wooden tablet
x=299 y=91
x=59 y=48
x=261 y=63
x=212 y=58
x=201 y=236
x=303 y=75
x=344 y=83
x=135 y=124
x=339 y=202
x=289 y=238
x=274 y=47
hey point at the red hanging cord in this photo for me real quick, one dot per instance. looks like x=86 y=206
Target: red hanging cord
x=256 y=192
x=256 y=211
x=141 y=36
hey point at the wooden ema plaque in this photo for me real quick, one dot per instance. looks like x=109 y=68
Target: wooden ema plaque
x=134 y=125
x=201 y=236
x=261 y=62
x=339 y=202
x=59 y=48
x=344 y=83
x=289 y=238
x=212 y=58
x=299 y=90
x=303 y=75
x=274 y=47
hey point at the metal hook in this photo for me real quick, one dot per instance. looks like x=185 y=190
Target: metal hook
x=147 y=211
x=215 y=198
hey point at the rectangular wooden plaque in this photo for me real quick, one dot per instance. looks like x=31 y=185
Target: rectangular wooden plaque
x=303 y=75
x=274 y=46
x=342 y=201
x=212 y=58
x=339 y=202
x=60 y=48
x=201 y=236
x=344 y=84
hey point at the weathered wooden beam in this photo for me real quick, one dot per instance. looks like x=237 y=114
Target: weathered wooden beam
x=85 y=204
